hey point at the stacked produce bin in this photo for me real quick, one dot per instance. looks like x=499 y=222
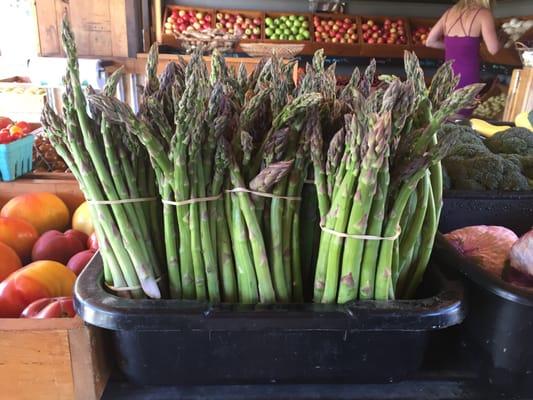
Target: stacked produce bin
x=262 y=223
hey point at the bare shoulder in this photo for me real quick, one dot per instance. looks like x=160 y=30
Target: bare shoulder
x=485 y=14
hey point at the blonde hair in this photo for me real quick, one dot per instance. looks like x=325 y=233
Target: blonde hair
x=464 y=4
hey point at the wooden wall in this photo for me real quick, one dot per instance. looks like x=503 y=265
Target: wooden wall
x=103 y=28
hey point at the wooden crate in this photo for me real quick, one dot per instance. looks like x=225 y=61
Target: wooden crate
x=170 y=40
x=51 y=359
x=520 y=95
x=66 y=188
x=308 y=17
x=21 y=101
x=385 y=50
x=353 y=18
x=103 y=28
x=245 y=14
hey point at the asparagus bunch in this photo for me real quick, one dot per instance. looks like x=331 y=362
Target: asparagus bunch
x=379 y=184
x=228 y=154
x=108 y=163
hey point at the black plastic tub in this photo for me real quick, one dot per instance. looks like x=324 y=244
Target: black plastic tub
x=169 y=342
x=500 y=319
x=514 y=210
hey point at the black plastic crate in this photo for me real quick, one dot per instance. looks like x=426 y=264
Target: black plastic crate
x=500 y=319
x=514 y=210
x=170 y=342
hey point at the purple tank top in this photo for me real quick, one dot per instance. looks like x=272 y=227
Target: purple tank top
x=464 y=51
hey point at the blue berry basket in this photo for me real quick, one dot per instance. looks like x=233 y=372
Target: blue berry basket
x=16 y=158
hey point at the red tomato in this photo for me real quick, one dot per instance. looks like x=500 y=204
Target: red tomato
x=33 y=282
x=15 y=130
x=9 y=261
x=4 y=136
x=24 y=126
x=56 y=307
x=5 y=122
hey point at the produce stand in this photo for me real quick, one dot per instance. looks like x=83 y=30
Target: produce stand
x=52 y=359
x=277 y=227
x=64 y=186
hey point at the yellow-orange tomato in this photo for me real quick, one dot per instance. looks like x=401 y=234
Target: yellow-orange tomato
x=82 y=221
x=35 y=281
x=19 y=235
x=9 y=261
x=15 y=130
x=45 y=211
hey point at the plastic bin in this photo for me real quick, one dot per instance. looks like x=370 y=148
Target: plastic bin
x=170 y=342
x=16 y=158
x=500 y=318
x=514 y=210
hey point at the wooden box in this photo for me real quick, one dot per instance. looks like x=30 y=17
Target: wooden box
x=384 y=50
x=520 y=95
x=273 y=15
x=170 y=39
x=51 y=359
x=62 y=185
x=21 y=101
x=103 y=28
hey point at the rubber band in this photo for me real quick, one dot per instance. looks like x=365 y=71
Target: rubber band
x=123 y=201
x=127 y=288
x=263 y=194
x=192 y=201
x=362 y=237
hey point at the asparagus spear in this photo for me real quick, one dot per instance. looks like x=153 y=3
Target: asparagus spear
x=370 y=165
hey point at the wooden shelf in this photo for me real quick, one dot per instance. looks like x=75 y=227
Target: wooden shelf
x=505 y=57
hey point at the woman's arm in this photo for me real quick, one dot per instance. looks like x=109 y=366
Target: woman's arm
x=436 y=36
x=488 y=31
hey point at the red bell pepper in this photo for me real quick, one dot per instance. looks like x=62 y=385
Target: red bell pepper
x=55 y=307
x=41 y=279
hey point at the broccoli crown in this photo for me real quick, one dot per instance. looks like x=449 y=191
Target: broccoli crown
x=511 y=141
x=484 y=171
x=466 y=134
x=525 y=163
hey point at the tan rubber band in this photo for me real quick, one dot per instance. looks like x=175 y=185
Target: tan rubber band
x=263 y=194
x=191 y=201
x=123 y=201
x=126 y=288
x=362 y=237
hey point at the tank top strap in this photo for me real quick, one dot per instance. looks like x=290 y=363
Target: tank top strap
x=460 y=18
x=472 y=22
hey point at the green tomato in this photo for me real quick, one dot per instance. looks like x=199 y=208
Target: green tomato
x=292 y=37
x=274 y=37
x=282 y=37
x=283 y=18
x=269 y=21
x=299 y=37
x=306 y=35
x=286 y=31
x=295 y=30
x=301 y=18
x=297 y=23
x=269 y=31
x=278 y=31
x=277 y=22
x=292 y=17
x=305 y=24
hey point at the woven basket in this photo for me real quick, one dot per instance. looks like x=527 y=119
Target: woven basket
x=216 y=40
x=266 y=49
x=526 y=54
